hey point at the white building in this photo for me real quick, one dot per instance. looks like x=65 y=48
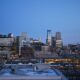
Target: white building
x=23 y=40
x=5 y=46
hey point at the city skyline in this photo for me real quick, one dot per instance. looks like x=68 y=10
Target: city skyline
x=36 y=16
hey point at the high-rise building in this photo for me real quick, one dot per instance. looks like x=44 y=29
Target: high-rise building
x=58 y=35
x=23 y=40
x=48 y=40
x=53 y=40
x=58 y=39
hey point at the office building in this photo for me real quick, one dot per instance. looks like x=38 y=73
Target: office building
x=58 y=35
x=23 y=41
x=48 y=40
x=27 y=52
x=58 y=40
x=53 y=40
x=6 y=45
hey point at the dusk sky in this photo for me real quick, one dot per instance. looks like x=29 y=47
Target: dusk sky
x=36 y=16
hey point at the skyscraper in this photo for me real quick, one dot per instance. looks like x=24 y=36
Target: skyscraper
x=58 y=35
x=58 y=39
x=48 y=40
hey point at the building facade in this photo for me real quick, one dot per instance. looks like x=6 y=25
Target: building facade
x=48 y=40
x=58 y=40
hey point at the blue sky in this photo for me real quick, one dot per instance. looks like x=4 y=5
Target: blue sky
x=36 y=16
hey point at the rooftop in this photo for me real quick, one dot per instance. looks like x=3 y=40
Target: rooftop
x=30 y=72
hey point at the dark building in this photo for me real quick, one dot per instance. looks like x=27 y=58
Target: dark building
x=53 y=40
x=17 y=44
x=10 y=35
x=0 y=35
x=27 y=52
x=6 y=36
x=37 y=46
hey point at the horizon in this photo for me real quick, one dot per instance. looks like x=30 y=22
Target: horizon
x=39 y=38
